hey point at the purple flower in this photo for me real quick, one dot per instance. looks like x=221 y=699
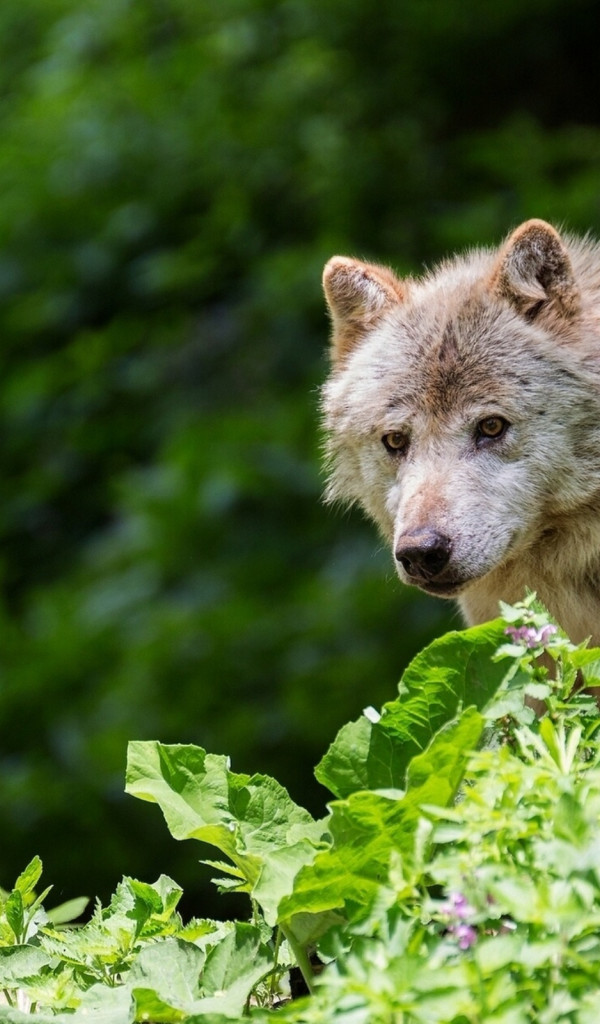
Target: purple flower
x=529 y=636
x=465 y=933
x=458 y=909
x=457 y=906
x=545 y=633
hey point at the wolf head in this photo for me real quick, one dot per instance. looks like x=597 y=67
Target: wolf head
x=463 y=409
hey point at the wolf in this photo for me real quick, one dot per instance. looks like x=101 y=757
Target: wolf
x=462 y=412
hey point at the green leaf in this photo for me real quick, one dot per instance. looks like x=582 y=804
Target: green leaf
x=235 y=965
x=146 y=895
x=251 y=819
x=19 y=962
x=434 y=776
x=170 y=971
x=107 y=942
x=29 y=878
x=69 y=911
x=455 y=670
x=14 y=912
x=150 y=907
x=276 y=878
x=170 y=893
x=570 y=821
x=172 y=980
x=367 y=828
x=103 y=1004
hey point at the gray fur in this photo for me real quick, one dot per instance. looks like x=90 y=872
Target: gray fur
x=511 y=334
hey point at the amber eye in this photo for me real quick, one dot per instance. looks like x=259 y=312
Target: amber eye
x=396 y=442
x=491 y=428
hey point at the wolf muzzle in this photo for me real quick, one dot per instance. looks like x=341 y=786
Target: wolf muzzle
x=423 y=555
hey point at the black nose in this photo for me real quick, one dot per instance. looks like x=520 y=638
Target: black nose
x=424 y=555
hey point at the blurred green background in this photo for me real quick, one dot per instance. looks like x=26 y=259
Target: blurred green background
x=173 y=175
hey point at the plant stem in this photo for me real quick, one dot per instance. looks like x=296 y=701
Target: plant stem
x=302 y=958
x=273 y=982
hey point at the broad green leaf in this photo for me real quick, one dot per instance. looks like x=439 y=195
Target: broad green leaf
x=172 y=980
x=277 y=875
x=454 y=671
x=103 y=1004
x=368 y=827
x=309 y=928
x=434 y=776
x=251 y=819
x=355 y=759
x=10 y=1015
x=235 y=965
x=191 y=787
x=587 y=659
x=498 y=952
x=170 y=969
x=149 y=1006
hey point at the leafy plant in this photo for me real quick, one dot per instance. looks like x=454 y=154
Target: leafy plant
x=456 y=877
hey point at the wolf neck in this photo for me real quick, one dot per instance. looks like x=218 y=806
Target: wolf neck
x=561 y=573
x=578 y=615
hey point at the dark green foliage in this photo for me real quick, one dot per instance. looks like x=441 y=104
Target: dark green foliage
x=173 y=175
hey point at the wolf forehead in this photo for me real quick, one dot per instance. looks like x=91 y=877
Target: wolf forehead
x=435 y=362
x=475 y=327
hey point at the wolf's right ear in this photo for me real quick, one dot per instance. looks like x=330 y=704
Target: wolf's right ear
x=534 y=268
x=358 y=295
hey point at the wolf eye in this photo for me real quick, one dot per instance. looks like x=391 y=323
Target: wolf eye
x=395 y=442
x=491 y=428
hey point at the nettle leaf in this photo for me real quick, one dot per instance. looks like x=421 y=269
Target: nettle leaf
x=170 y=894
x=29 y=878
x=146 y=896
x=105 y=945
x=369 y=829
x=138 y=908
x=251 y=819
x=15 y=912
x=454 y=671
x=20 y=962
x=204 y=932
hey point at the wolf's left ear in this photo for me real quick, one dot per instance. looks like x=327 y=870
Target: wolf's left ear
x=533 y=268
x=358 y=295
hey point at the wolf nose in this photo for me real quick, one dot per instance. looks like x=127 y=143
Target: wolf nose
x=424 y=554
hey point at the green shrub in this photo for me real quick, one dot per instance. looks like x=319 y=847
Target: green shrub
x=455 y=878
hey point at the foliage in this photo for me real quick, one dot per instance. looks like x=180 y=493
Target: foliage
x=456 y=879
x=174 y=174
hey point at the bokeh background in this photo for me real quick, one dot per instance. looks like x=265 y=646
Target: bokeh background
x=173 y=175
